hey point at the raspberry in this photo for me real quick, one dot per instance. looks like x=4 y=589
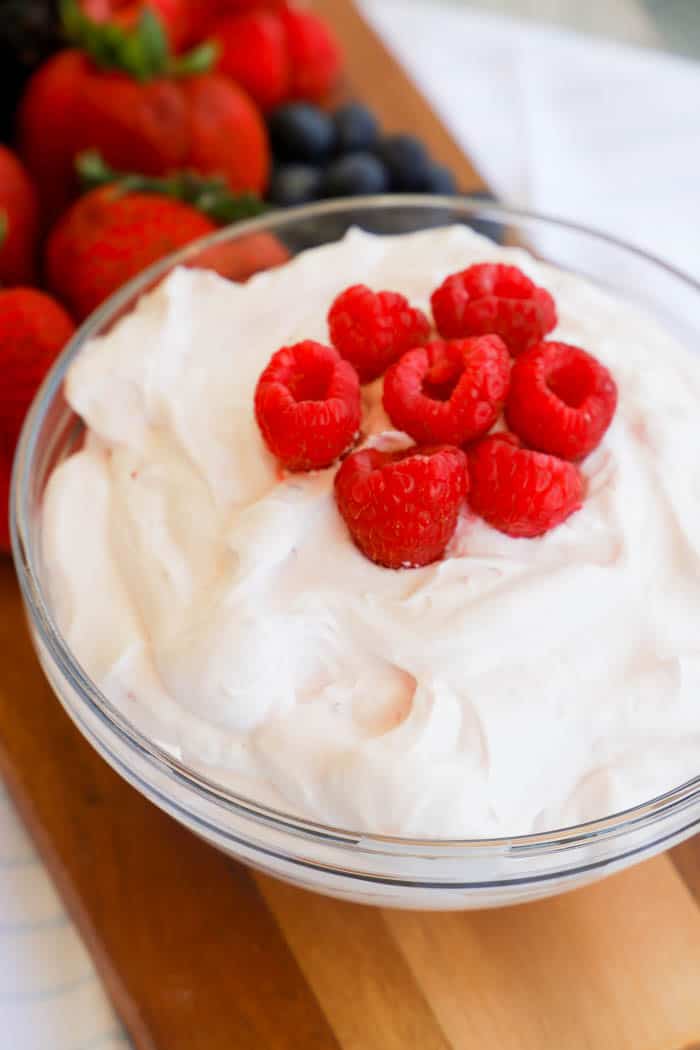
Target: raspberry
x=561 y=400
x=307 y=404
x=372 y=329
x=520 y=492
x=448 y=392
x=497 y=299
x=401 y=507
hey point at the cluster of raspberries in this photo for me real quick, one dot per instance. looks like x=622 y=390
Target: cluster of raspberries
x=446 y=393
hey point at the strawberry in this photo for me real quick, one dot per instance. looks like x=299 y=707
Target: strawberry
x=227 y=7
x=18 y=221
x=253 y=52
x=239 y=259
x=314 y=53
x=144 y=110
x=177 y=16
x=33 y=329
x=186 y=22
x=126 y=222
x=227 y=134
x=49 y=136
x=218 y=9
x=134 y=125
x=107 y=237
x=200 y=16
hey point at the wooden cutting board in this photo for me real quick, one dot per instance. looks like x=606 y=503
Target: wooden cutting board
x=198 y=953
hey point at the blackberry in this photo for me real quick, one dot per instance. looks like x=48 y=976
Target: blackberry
x=30 y=31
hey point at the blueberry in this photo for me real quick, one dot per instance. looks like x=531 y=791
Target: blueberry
x=301 y=132
x=356 y=128
x=439 y=179
x=355 y=174
x=406 y=160
x=294 y=184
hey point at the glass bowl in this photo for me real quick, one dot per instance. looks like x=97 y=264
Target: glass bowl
x=376 y=869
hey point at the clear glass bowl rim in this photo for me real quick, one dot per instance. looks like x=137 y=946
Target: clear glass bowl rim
x=638 y=817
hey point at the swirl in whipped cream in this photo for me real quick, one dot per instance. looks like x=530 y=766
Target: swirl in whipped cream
x=518 y=685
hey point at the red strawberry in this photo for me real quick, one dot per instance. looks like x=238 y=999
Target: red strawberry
x=241 y=257
x=215 y=10
x=128 y=221
x=18 y=221
x=201 y=14
x=315 y=55
x=236 y=259
x=227 y=133
x=177 y=16
x=107 y=237
x=227 y=7
x=253 y=52
x=33 y=329
x=49 y=136
x=144 y=127
x=141 y=108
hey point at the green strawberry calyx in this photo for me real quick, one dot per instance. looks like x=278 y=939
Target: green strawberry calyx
x=208 y=194
x=143 y=51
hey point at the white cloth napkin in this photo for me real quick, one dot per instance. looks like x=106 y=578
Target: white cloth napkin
x=567 y=125
x=50 y=995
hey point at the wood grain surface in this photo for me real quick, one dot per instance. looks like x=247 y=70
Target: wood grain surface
x=198 y=953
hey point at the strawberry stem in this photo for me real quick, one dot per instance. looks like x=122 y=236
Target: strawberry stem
x=199 y=60
x=210 y=195
x=3 y=226
x=143 y=52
